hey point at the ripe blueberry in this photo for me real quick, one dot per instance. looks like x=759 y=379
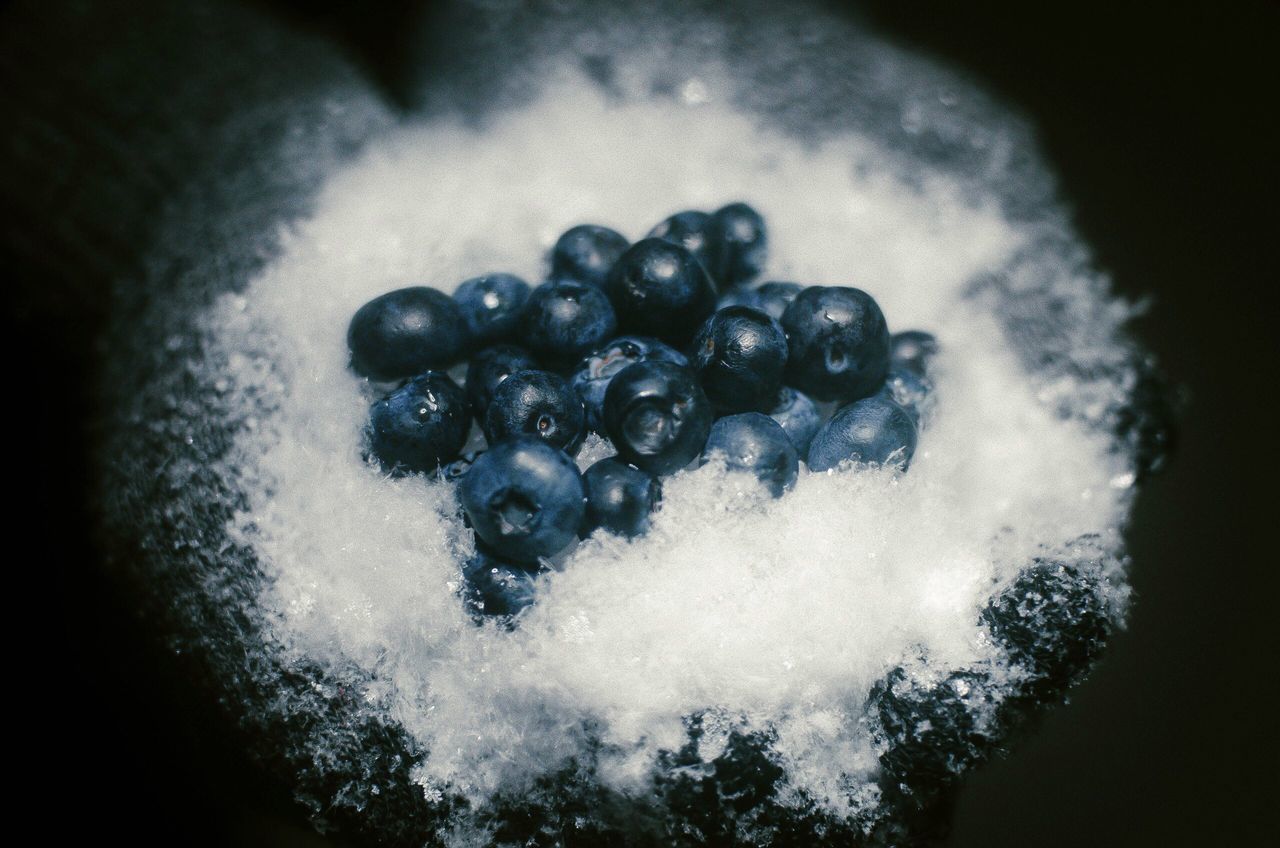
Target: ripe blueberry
x=421 y=425
x=740 y=354
x=619 y=498
x=772 y=297
x=405 y=332
x=657 y=416
x=563 y=321
x=660 y=289
x=839 y=343
x=540 y=404
x=745 y=243
x=524 y=499
x=491 y=306
x=585 y=254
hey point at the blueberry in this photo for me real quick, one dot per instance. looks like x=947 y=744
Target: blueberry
x=421 y=425
x=772 y=297
x=745 y=243
x=524 y=499
x=660 y=289
x=873 y=430
x=402 y=333
x=585 y=254
x=657 y=416
x=540 y=404
x=488 y=369
x=594 y=372
x=839 y=344
x=619 y=498
x=913 y=349
x=757 y=444
x=563 y=321
x=491 y=306
x=740 y=354
x=908 y=389
x=797 y=414
x=700 y=234
x=454 y=471
x=495 y=587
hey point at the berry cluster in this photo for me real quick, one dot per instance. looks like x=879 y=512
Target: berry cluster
x=666 y=348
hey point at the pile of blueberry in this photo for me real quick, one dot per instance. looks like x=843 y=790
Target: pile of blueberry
x=707 y=364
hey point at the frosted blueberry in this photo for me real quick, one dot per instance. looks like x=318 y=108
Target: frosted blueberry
x=797 y=414
x=872 y=430
x=757 y=444
x=908 y=389
x=496 y=588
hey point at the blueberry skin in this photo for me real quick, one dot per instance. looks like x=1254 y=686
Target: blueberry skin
x=746 y=244
x=585 y=254
x=757 y=444
x=839 y=343
x=524 y=499
x=700 y=234
x=563 y=321
x=660 y=289
x=421 y=425
x=497 y=588
x=620 y=498
x=740 y=355
x=486 y=371
x=798 y=416
x=657 y=416
x=873 y=430
x=913 y=349
x=592 y=376
x=908 y=389
x=491 y=306
x=540 y=404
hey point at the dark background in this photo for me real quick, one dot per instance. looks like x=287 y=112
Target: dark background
x=1158 y=122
